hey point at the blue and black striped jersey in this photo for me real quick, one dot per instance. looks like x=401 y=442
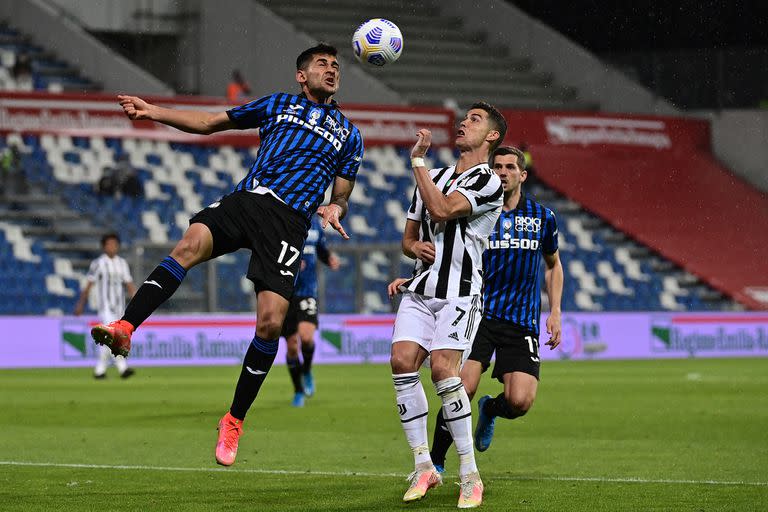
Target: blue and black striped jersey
x=315 y=249
x=304 y=146
x=512 y=263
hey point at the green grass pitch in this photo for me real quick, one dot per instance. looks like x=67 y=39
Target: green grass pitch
x=688 y=435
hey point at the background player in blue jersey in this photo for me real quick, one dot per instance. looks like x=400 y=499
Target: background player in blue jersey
x=301 y=321
x=525 y=231
x=306 y=144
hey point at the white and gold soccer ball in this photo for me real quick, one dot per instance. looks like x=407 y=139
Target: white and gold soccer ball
x=377 y=42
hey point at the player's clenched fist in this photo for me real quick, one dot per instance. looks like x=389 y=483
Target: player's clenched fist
x=135 y=108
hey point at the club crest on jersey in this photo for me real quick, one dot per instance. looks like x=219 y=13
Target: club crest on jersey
x=507 y=225
x=314 y=115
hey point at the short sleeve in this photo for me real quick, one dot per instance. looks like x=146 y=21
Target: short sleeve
x=483 y=191
x=352 y=158
x=251 y=115
x=414 y=211
x=93 y=272
x=549 y=240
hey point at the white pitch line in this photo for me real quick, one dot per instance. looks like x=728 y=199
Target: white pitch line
x=381 y=475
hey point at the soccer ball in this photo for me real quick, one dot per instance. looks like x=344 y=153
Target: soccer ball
x=377 y=42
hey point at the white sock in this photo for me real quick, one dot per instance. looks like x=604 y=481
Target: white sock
x=103 y=362
x=413 y=408
x=457 y=412
x=121 y=364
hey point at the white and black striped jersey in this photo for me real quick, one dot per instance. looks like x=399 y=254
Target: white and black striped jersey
x=459 y=243
x=109 y=276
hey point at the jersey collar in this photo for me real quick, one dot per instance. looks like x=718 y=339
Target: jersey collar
x=332 y=104
x=520 y=203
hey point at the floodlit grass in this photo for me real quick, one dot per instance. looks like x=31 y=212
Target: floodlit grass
x=641 y=435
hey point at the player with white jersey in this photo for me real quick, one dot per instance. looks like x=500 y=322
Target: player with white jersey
x=111 y=276
x=452 y=213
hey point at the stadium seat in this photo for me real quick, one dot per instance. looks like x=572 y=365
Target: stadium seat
x=180 y=179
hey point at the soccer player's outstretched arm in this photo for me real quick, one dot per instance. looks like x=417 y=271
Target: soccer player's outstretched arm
x=188 y=121
x=440 y=207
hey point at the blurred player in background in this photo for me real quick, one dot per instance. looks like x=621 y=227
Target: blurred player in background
x=112 y=277
x=301 y=321
x=306 y=144
x=525 y=232
x=451 y=215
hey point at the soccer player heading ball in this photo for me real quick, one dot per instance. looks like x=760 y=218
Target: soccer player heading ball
x=306 y=144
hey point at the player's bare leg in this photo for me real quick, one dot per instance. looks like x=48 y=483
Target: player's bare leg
x=271 y=310
x=194 y=247
x=519 y=394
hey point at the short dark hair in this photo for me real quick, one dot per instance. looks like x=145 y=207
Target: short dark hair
x=305 y=57
x=109 y=236
x=497 y=120
x=508 y=150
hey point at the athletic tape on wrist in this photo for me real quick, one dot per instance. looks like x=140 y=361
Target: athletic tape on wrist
x=418 y=162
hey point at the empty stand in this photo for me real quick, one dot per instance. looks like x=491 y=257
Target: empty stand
x=25 y=66
x=52 y=232
x=684 y=205
x=441 y=59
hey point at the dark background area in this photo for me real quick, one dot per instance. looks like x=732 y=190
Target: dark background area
x=697 y=54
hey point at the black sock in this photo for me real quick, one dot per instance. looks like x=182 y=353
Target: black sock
x=157 y=288
x=294 y=369
x=500 y=407
x=441 y=440
x=256 y=364
x=307 y=351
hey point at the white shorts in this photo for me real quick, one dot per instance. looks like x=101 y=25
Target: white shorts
x=438 y=324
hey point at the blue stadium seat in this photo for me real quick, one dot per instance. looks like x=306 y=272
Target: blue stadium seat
x=376 y=186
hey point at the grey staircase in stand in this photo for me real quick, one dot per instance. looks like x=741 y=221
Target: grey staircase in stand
x=440 y=61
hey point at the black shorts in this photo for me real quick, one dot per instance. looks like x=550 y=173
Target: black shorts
x=517 y=349
x=272 y=230
x=301 y=309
